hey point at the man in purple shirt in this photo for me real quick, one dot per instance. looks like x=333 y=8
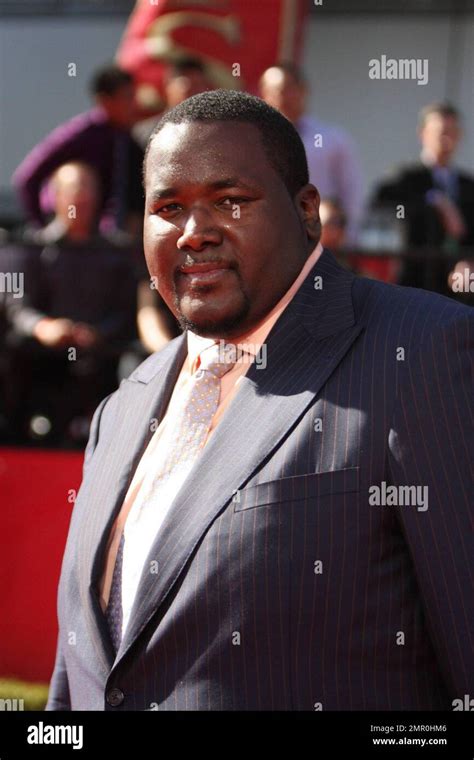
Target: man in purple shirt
x=100 y=137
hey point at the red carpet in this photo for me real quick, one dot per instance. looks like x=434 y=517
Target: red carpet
x=34 y=488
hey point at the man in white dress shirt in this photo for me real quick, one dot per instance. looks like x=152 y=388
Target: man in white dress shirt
x=333 y=163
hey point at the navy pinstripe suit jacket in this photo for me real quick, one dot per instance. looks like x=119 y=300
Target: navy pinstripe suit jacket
x=280 y=585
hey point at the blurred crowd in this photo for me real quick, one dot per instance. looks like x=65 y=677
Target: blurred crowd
x=77 y=308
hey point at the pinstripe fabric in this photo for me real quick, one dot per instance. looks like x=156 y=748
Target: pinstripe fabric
x=279 y=585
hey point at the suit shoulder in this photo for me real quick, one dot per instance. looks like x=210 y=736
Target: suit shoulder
x=467 y=179
x=151 y=365
x=411 y=314
x=111 y=405
x=405 y=174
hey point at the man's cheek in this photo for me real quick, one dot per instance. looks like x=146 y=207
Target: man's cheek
x=155 y=230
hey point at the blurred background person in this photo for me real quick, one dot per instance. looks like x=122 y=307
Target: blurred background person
x=100 y=137
x=333 y=163
x=334 y=237
x=437 y=198
x=334 y=224
x=182 y=79
x=76 y=316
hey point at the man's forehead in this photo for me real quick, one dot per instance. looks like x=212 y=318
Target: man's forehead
x=441 y=119
x=171 y=178
x=209 y=136
x=205 y=152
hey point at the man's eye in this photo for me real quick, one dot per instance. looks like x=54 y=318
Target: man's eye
x=167 y=209
x=231 y=201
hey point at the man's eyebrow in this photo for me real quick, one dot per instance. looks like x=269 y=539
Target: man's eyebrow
x=228 y=182
x=159 y=195
x=220 y=184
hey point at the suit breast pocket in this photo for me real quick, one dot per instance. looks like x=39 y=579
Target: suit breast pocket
x=309 y=486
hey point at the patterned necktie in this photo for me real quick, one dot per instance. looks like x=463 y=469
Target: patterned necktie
x=446 y=180
x=113 y=613
x=184 y=442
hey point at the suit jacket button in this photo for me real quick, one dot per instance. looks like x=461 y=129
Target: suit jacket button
x=115 y=697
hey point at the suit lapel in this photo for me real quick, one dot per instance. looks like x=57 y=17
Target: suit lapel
x=304 y=347
x=112 y=469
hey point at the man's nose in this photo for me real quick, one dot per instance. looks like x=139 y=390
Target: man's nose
x=199 y=231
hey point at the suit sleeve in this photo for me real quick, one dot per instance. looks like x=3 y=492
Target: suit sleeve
x=94 y=433
x=58 y=696
x=430 y=445
x=24 y=313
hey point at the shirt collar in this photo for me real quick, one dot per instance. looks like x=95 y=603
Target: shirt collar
x=252 y=341
x=429 y=161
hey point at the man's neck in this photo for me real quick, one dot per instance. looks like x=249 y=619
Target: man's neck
x=75 y=232
x=432 y=162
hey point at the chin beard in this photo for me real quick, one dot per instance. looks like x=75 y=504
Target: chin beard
x=213 y=328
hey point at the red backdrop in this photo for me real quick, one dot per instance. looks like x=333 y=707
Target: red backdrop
x=34 y=489
x=252 y=33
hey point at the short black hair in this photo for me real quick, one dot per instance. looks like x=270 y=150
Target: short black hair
x=108 y=79
x=443 y=108
x=280 y=140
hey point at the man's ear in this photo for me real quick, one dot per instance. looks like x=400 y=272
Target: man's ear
x=307 y=206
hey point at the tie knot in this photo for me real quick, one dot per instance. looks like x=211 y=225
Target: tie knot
x=218 y=359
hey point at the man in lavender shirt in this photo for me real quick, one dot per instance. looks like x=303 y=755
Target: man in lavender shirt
x=101 y=138
x=331 y=153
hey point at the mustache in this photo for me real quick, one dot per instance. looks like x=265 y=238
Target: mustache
x=191 y=261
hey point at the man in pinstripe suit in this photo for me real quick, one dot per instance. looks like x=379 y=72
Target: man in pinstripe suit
x=317 y=553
